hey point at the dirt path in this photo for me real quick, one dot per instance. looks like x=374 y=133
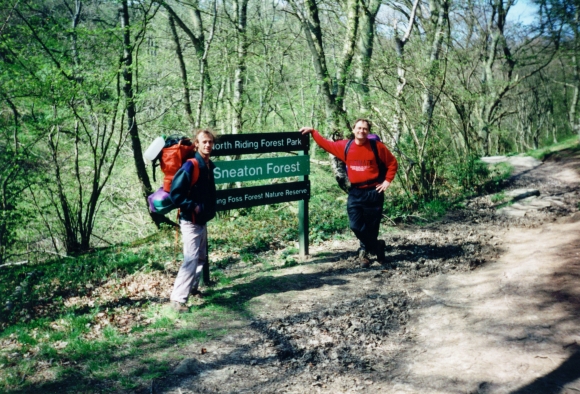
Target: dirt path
x=484 y=301
x=514 y=321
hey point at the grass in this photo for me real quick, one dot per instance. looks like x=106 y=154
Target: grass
x=498 y=197
x=569 y=143
x=50 y=343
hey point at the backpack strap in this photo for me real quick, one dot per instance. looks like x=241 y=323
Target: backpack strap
x=154 y=164
x=195 y=175
x=382 y=167
x=346 y=148
x=194 y=178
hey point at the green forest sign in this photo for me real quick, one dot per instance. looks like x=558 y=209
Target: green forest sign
x=265 y=168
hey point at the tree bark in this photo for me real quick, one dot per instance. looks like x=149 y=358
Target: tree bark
x=368 y=13
x=205 y=84
x=197 y=37
x=333 y=90
x=401 y=71
x=574 y=119
x=182 y=71
x=241 y=22
x=131 y=110
x=440 y=21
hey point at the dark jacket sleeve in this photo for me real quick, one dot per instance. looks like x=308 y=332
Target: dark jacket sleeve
x=180 y=186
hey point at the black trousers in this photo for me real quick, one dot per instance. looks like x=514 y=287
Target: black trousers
x=365 y=211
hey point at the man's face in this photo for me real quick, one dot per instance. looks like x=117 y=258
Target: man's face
x=361 y=130
x=204 y=144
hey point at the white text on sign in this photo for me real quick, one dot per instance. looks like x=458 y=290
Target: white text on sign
x=268 y=169
x=264 y=143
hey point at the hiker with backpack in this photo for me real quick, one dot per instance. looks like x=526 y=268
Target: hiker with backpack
x=193 y=192
x=371 y=168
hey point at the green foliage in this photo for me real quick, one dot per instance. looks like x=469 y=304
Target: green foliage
x=499 y=174
x=24 y=286
x=398 y=207
x=468 y=174
x=289 y=251
x=435 y=209
x=12 y=212
x=541 y=154
x=290 y=262
x=498 y=197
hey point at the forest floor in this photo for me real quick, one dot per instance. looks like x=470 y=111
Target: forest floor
x=486 y=300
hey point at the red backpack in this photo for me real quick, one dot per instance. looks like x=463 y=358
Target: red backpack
x=176 y=152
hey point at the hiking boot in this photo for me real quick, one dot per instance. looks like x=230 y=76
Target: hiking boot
x=197 y=294
x=381 y=251
x=362 y=258
x=365 y=263
x=178 y=307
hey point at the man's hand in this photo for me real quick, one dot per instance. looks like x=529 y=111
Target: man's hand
x=383 y=186
x=306 y=130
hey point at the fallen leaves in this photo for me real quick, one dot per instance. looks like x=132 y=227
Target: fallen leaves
x=59 y=345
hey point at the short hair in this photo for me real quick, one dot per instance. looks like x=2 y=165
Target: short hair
x=204 y=131
x=363 y=120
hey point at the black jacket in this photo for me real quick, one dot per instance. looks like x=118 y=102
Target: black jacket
x=202 y=194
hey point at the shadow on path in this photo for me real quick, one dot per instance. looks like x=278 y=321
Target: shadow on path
x=555 y=381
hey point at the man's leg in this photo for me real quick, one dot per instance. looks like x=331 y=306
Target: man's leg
x=194 y=241
x=201 y=261
x=365 y=208
x=373 y=213
x=355 y=211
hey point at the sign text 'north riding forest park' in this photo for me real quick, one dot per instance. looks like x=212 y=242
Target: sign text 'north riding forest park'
x=262 y=168
x=240 y=144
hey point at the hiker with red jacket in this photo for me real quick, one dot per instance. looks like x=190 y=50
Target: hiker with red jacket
x=369 y=179
x=197 y=204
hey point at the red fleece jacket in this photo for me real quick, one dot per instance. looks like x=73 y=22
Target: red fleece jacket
x=361 y=164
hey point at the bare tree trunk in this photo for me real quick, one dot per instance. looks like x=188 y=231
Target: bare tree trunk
x=348 y=50
x=197 y=37
x=494 y=89
x=401 y=81
x=130 y=102
x=241 y=21
x=574 y=119
x=142 y=175
x=440 y=20
x=368 y=13
x=333 y=90
x=205 y=85
x=183 y=71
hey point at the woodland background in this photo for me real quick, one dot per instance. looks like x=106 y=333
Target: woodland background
x=85 y=85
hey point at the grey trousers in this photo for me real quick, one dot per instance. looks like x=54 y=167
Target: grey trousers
x=194 y=239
